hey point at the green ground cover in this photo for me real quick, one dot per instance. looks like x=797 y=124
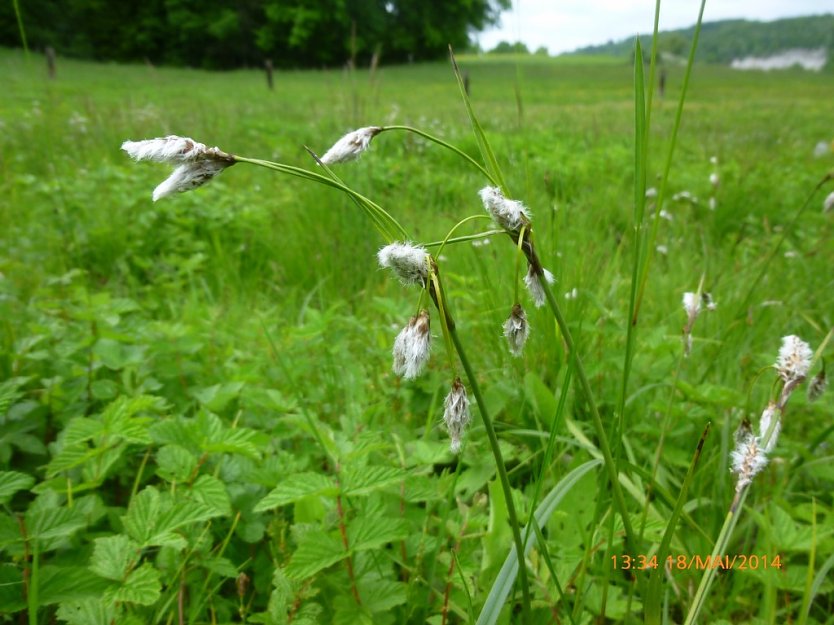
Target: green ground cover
x=197 y=409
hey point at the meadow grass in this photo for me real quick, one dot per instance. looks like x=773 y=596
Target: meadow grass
x=257 y=299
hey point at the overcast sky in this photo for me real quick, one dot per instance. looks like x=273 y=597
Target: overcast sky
x=564 y=25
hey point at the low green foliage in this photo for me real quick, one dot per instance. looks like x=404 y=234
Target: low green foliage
x=198 y=423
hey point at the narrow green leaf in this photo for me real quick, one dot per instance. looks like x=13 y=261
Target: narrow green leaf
x=506 y=577
x=296 y=487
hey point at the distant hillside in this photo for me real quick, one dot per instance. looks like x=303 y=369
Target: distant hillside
x=723 y=41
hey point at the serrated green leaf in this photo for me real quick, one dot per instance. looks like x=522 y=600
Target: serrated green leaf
x=211 y=492
x=114 y=556
x=46 y=523
x=381 y=595
x=217 y=397
x=66 y=583
x=368 y=532
x=364 y=480
x=88 y=612
x=296 y=487
x=175 y=463
x=237 y=441
x=316 y=551
x=142 y=586
x=142 y=515
x=12 y=482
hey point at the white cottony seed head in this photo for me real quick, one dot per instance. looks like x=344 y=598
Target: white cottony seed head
x=748 y=460
x=456 y=414
x=692 y=305
x=350 y=146
x=516 y=330
x=171 y=149
x=712 y=203
x=713 y=160
x=828 y=202
x=534 y=285
x=412 y=347
x=794 y=359
x=509 y=214
x=189 y=176
x=409 y=262
x=770 y=415
x=713 y=179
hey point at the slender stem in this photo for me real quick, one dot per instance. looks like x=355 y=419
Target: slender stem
x=501 y=469
x=604 y=446
x=455 y=227
x=464 y=238
x=448 y=146
x=720 y=545
x=349 y=559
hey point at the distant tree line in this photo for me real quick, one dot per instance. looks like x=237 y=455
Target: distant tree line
x=234 y=33
x=723 y=41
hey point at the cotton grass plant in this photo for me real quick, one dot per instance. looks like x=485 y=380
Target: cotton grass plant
x=417 y=266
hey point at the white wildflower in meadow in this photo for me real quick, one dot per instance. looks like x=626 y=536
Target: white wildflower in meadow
x=662 y=249
x=748 y=460
x=794 y=359
x=713 y=179
x=828 y=202
x=651 y=192
x=350 y=146
x=771 y=414
x=664 y=214
x=197 y=164
x=456 y=414
x=572 y=294
x=516 y=330
x=408 y=262
x=713 y=160
x=817 y=386
x=412 y=347
x=509 y=214
x=712 y=203
x=534 y=285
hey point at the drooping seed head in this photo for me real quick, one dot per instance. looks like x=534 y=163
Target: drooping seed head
x=509 y=214
x=456 y=414
x=692 y=305
x=533 y=282
x=794 y=359
x=172 y=149
x=350 y=146
x=771 y=414
x=412 y=347
x=408 y=262
x=817 y=386
x=516 y=330
x=189 y=176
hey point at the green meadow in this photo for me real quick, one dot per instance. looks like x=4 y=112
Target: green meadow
x=199 y=422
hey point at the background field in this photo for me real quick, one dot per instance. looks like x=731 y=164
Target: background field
x=216 y=342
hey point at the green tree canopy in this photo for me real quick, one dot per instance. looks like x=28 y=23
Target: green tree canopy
x=227 y=34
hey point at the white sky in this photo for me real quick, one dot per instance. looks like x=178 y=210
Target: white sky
x=564 y=25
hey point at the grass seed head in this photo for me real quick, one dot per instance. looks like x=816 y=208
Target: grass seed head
x=172 y=149
x=456 y=414
x=770 y=414
x=533 y=282
x=817 y=386
x=516 y=330
x=509 y=214
x=349 y=147
x=748 y=460
x=691 y=305
x=408 y=262
x=794 y=359
x=189 y=176
x=412 y=347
